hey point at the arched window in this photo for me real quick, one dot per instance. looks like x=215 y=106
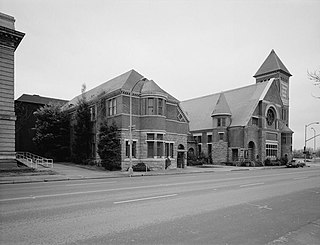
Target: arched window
x=271 y=116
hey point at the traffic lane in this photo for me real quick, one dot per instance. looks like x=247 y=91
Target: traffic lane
x=134 y=192
x=254 y=222
x=25 y=203
x=105 y=217
x=155 y=179
x=85 y=187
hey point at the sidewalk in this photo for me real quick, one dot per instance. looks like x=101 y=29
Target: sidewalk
x=68 y=171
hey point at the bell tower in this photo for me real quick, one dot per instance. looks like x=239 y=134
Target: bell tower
x=273 y=67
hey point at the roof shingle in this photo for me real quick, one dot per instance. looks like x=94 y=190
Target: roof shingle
x=241 y=101
x=271 y=64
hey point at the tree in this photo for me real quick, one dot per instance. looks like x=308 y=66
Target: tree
x=109 y=148
x=52 y=132
x=315 y=78
x=82 y=132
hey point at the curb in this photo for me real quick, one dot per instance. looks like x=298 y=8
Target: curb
x=127 y=175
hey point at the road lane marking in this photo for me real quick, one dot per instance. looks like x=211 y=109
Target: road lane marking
x=300 y=178
x=253 y=184
x=145 y=198
x=260 y=206
x=93 y=183
x=16 y=198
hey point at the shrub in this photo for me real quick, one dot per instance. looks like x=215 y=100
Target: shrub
x=268 y=162
x=140 y=167
x=109 y=148
x=284 y=160
x=82 y=133
x=52 y=132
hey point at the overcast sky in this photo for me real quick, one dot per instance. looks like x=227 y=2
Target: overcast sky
x=189 y=48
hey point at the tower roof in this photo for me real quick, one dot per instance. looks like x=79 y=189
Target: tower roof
x=222 y=107
x=272 y=64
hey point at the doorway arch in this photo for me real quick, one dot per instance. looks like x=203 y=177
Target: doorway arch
x=180 y=156
x=251 y=151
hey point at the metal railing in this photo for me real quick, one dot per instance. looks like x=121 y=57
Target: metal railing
x=33 y=160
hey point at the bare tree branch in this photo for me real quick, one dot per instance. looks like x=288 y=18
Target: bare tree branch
x=315 y=78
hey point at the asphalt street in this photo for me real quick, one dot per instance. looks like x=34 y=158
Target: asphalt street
x=243 y=207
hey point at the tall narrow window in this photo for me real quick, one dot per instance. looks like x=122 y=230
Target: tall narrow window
x=209 y=149
x=112 y=107
x=171 y=150
x=150 y=108
x=167 y=149
x=92 y=113
x=199 y=149
x=150 y=149
x=221 y=122
x=160 y=106
x=134 y=149
x=159 y=149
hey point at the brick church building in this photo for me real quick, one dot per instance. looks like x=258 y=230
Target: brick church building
x=244 y=124
x=160 y=126
x=250 y=123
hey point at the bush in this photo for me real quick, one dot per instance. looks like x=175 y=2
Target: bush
x=268 y=162
x=140 y=167
x=52 y=132
x=284 y=160
x=82 y=133
x=258 y=163
x=109 y=148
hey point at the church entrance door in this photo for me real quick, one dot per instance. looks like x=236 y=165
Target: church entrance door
x=181 y=156
x=251 y=151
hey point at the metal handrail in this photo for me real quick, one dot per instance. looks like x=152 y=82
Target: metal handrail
x=34 y=160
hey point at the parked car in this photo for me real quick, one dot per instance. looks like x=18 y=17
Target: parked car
x=296 y=164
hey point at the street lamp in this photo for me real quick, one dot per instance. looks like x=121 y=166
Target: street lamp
x=305 y=139
x=314 y=140
x=130 y=124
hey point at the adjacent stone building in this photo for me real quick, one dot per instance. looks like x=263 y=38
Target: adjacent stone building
x=160 y=126
x=9 y=41
x=247 y=124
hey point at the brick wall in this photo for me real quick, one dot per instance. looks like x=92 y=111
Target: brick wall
x=219 y=152
x=155 y=163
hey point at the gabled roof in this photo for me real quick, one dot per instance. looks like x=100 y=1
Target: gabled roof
x=241 y=101
x=110 y=86
x=272 y=64
x=36 y=99
x=222 y=107
x=284 y=128
x=124 y=82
